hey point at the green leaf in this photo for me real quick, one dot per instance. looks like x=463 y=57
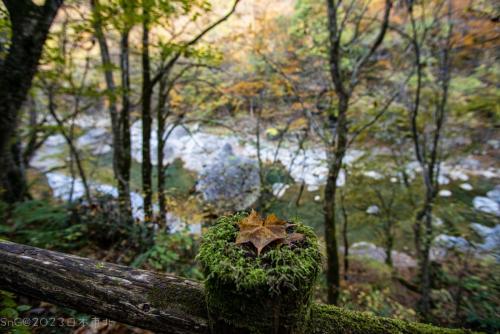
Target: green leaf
x=23 y=308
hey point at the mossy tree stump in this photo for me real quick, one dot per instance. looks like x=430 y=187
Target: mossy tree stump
x=266 y=293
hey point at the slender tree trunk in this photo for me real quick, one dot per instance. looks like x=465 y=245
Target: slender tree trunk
x=148 y=84
x=73 y=177
x=124 y=160
x=72 y=148
x=338 y=145
x=70 y=135
x=160 y=119
x=146 y=118
x=425 y=263
x=299 y=195
x=388 y=220
x=336 y=156
x=120 y=124
x=389 y=242
x=431 y=173
x=345 y=239
x=30 y=26
x=257 y=116
x=428 y=159
x=332 y=270
x=263 y=201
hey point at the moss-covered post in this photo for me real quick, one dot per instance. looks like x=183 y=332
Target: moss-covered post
x=248 y=292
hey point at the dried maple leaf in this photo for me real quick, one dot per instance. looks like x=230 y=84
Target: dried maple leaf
x=260 y=232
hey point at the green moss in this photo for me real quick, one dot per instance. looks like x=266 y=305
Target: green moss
x=271 y=293
x=327 y=319
x=258 y=294
x=174 y=297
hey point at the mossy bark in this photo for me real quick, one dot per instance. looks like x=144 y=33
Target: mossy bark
x=269 y=293
x=256 y=311
x=329 y=319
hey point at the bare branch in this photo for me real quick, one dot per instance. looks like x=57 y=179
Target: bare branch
x=178 y=54
x=379 y=114
x=378 y=41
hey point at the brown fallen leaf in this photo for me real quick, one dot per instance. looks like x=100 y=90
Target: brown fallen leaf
x=260 y=232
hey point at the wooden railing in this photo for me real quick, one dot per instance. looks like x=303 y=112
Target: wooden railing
x=155 y=301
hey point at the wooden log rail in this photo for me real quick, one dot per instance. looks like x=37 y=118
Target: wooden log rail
x=155 y=301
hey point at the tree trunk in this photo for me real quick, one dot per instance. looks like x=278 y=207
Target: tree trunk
x=13 y=186
x=336 y=153
x=424 y=303
x=146 y=118
x=389 y=244
x=30 y=26
x=429 y=158
x=125 y=160
x=345 y=239
x=263 y=200
x=332 y=270
x=338 y=145
x=74 y=151
x=299 y=195
x=160 y=119
x=120 y=124
x=336 y=156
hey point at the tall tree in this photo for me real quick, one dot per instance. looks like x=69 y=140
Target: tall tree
x=435 y=39
x=125 y=159
x=344 y=83
x=67 y=93
x=120 y=118
x=30 y=25
x=147 y=119
x=169 y=58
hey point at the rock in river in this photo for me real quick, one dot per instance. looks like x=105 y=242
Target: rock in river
x=230 y=182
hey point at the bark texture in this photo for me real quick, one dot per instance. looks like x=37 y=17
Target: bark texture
x=147 y=120
x=154 y=301
x=30 y=26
